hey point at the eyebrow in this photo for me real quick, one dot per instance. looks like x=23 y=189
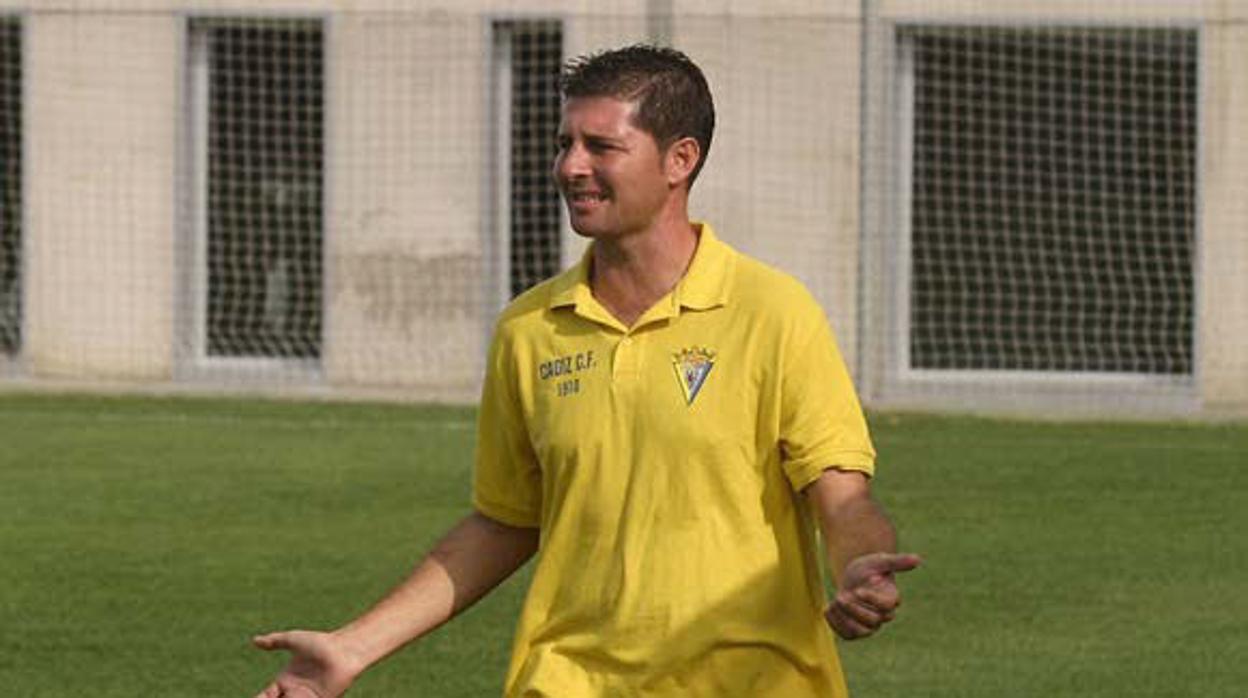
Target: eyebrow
x=594 y=138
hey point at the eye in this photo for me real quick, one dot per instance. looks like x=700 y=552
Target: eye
x=598 y=146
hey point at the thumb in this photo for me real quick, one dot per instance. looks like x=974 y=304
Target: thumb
x=888 y=563
x=902 y=562
x=272 y=641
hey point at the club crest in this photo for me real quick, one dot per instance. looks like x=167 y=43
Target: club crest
x=693 y=365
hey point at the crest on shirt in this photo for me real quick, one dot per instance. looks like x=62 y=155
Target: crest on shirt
x=693 y=365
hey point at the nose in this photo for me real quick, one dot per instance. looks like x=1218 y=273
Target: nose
x=571 y=162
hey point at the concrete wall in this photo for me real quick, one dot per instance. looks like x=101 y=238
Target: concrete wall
x=411 y=249
x=782 y=179
x=407 y=255
x=99 y=250
x=1162 y=11
x=1222 y=271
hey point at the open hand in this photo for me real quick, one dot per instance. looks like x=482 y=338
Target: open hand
x=320 y=666
x=868 y=597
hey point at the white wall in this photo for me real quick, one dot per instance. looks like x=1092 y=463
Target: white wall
x=1222 y=272
x=100 y=134
x=782 y=179
x=410 y=301
x=406 y=249
x=409 y=246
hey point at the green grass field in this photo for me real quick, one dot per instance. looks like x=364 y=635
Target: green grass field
x=145 y=540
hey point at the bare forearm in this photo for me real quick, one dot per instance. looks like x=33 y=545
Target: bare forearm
x=470 y=560
x=860 y=527
x=852 y=522
x=862 y=553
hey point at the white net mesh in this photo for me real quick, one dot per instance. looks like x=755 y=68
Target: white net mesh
x=264 y=138
x=988 y=198
x=1053 y=199
x=534 y=55
x=1043 y=197
x=10 y=186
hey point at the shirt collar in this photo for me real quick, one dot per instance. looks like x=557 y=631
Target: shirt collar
x=705 y=285
x=708 y=281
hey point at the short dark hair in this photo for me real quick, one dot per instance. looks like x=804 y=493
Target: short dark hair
x=672 y=96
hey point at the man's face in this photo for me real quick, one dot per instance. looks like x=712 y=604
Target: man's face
x=610 y=172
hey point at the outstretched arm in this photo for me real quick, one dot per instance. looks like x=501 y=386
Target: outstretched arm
x=470 y=560
x=862 y=553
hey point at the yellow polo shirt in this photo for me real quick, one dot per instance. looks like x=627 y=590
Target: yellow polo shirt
x=663 y=464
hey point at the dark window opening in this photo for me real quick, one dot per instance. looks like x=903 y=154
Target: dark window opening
x=265 y=179
x=1053 y=199
x=536 y=54
x=10 y=186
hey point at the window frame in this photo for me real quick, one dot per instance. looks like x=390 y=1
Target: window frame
x=889 y=377
x=194 y=361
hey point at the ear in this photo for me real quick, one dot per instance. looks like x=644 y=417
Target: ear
x=681 y=159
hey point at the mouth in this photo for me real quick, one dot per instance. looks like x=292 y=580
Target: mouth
x=584 y=198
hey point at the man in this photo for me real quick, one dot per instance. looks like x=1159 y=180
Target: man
x=659 y=425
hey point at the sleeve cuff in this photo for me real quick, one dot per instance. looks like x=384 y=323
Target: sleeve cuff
x=802 y=473
x=511 y=516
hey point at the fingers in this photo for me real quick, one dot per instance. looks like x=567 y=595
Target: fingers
x=269 y=642
x=865 y=611
x=846 y=626
x=870 y=598
x=853 y=621
x=882 y=597
x=869 y=606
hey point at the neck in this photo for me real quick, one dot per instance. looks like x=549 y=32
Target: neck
x=631 y=273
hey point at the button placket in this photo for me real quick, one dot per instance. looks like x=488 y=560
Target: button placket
x=625 y=364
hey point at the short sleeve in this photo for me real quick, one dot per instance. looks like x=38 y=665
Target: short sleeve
x=507 y=483
x=821 y=420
